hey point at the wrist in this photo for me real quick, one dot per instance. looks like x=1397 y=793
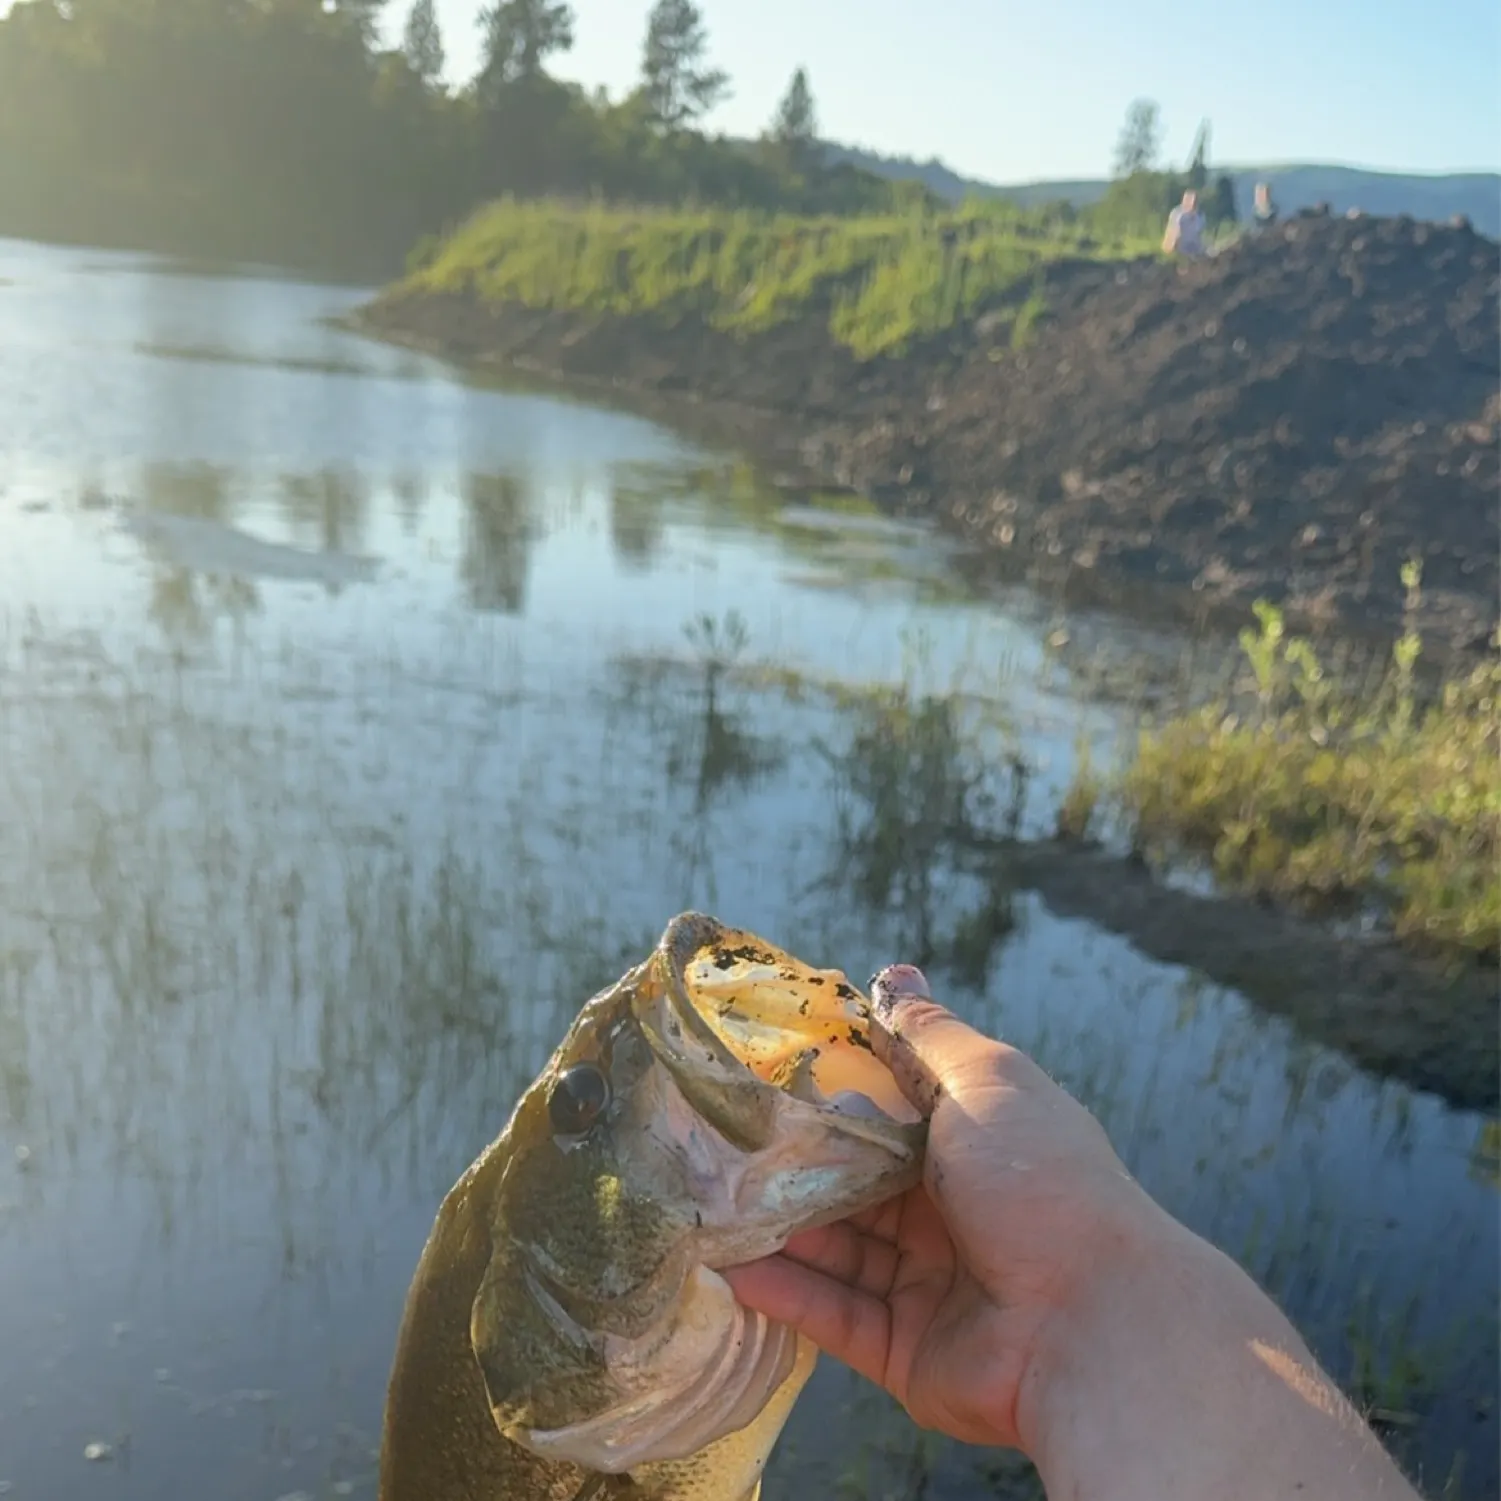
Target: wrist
x=1172 y=1375
x=1136 y=1252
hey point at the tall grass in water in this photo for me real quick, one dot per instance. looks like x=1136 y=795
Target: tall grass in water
x=876 y=282
x=1335 y=799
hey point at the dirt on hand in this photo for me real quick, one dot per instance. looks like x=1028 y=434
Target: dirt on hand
x=1293 y=418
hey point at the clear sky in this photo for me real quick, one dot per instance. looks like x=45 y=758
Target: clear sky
x=1010 y=91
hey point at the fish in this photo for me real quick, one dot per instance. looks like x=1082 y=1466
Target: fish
x=567 y=1335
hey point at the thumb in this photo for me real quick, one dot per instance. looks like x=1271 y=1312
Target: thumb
x=923 y=1044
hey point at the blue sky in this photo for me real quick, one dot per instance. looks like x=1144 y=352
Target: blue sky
x=1012 y=91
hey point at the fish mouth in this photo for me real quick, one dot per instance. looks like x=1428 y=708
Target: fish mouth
x=744 y=1027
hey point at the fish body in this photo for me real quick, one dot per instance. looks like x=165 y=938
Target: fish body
x=567 y=1335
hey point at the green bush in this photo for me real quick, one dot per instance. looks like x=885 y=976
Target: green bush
x=1333 y=800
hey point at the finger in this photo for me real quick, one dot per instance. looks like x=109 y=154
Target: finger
x=921 y=1042
x=847 y=1254
x=850 y=1325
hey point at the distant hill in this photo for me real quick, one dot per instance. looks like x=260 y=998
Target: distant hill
x=1434 y=196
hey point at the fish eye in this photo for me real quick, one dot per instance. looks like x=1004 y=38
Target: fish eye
x=578 y=1099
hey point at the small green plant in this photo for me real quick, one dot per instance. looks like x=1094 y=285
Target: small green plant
x=719 y=643
x=1031 y=312
x=423 y=254
x=1076 y=813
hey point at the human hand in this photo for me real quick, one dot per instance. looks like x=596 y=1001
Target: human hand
x=944 y=1295
x=1030 y=1294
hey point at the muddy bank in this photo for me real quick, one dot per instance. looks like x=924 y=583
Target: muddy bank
x=1394 y=1013
x=1293 y=419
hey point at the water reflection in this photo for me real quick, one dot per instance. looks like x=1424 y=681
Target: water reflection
x=200 y=490
x=636 y=523
x=498 y=532
x=287 y=921
x=326 y=511
x=409 y=495
x=188 y=607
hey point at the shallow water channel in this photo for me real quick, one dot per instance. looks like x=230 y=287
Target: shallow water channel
x=358 y=721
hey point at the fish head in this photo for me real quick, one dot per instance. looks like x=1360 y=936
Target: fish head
x=718 y=1099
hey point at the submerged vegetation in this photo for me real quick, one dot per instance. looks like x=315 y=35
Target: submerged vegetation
x=318 y=933
x=876 y=281
x=1340 y=799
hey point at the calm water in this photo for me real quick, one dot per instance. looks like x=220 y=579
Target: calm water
x=352 y=736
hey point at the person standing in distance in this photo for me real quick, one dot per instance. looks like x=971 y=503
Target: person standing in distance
x=1185 y=227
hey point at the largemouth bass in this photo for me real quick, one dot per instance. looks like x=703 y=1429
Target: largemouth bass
x=567 y=1336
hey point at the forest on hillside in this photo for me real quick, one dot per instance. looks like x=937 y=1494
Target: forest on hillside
x=287 y=131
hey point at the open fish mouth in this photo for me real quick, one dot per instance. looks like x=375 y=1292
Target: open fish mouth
x=734 y=1012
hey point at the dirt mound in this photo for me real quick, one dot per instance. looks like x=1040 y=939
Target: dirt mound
x=1293 y=418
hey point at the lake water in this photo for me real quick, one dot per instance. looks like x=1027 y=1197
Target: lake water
x=356 y=727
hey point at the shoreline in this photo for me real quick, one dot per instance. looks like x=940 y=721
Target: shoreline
x=1124 y=449
x=775 y=447
x=1391 y=1012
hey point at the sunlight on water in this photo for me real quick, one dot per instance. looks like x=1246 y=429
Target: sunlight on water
x=352 y=736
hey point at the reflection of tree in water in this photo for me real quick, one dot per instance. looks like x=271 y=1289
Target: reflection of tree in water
x=912 y=806
x=197 y=490
x=328 y=510
x=410 y=491
x=715 y=750
x=709 y=751
x=635 y=524
x=498 y=537
x=187 y=605
x=640 y=491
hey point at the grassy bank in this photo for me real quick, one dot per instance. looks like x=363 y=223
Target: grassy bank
x=1339 y=799
x=878 y=281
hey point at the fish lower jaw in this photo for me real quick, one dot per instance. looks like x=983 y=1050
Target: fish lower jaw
x=710 y=1375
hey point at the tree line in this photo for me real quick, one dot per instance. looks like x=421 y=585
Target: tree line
x=285 y=130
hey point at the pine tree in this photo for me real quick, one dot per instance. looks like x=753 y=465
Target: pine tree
x=796 y=120
x=422 y=42
x=1198 y=161
x=678 y=88
x=520 y=35
x=1140 y=139
x=365 y=15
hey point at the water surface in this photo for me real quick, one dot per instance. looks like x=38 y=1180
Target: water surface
x=352 y=735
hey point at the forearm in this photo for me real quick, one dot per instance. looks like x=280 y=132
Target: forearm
x=1177 y=1379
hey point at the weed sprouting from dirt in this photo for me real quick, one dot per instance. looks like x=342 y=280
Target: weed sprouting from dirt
x=1076 y=813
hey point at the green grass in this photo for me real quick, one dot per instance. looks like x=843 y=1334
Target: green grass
x=877 y=282
x=1337 y=799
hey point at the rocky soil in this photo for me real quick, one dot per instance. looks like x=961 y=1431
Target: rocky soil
x=1293 y=418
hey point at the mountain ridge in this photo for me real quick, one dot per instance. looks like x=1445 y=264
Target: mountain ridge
x=1295 y=185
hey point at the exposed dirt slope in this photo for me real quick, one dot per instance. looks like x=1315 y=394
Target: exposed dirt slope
x=1293 y=418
